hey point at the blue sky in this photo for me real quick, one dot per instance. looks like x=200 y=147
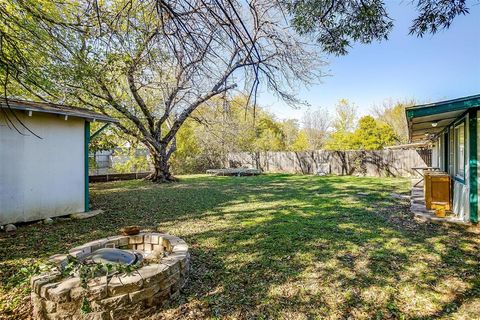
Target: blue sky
x=438 y=67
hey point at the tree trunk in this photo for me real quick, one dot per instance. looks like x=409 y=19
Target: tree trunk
x=161 y=172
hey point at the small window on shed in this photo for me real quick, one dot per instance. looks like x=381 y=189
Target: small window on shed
x=460 y=150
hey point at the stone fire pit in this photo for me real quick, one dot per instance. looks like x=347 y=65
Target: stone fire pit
x=158 y=279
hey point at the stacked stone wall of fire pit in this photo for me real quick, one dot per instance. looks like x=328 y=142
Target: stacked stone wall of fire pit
x=128 y=296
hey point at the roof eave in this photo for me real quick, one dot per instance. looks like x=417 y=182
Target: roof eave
x=442 y=107
x=90 y=118
x=438 y=108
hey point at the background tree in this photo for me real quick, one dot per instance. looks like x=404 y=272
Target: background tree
x=291 y=130
x=366 y=134
x=316 y=127
x=345 y=116
x=371 y=135
x=213 y=130
x=222 y=126
x=343 y=124
x=191 y=154
x=393 y=114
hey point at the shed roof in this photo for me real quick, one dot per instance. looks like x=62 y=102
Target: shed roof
x=429 y=120
x=52 y=108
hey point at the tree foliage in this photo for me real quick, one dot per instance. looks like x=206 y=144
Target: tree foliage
x=107 y=139
x=371 y=135
x=336 y=25
x=366 y=134
x=301 y=142
x=436 y=15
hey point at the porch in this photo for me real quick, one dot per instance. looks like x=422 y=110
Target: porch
x=451 y=129
x=419 y=208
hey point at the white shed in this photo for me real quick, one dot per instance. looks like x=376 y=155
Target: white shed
x=44 y=176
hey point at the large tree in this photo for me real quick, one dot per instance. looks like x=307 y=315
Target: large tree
x=151 y=64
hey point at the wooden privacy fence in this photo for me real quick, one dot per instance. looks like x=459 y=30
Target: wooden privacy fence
x=381 y=163
x=118 y=176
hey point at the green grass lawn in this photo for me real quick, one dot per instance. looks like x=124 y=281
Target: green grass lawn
x=276 y=246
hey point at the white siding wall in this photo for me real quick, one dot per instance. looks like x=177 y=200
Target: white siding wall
x=41 y=178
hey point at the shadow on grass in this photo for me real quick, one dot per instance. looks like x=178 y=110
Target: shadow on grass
x=283 y=246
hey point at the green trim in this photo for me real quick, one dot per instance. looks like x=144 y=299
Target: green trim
x=443 y=106
x=86 y=143
x=439 y=108
x=96 y=133
x=472 y=137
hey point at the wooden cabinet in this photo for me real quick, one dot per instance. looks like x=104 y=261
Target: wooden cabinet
x=438 y=190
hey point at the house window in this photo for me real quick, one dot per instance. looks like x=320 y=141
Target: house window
x=460 y=150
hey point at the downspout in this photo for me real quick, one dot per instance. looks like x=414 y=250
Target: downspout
x=473 y=162
x=86 y=143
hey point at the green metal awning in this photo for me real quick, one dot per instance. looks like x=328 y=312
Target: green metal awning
x=428 y=120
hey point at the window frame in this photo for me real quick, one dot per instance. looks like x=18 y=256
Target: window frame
x=456 y=128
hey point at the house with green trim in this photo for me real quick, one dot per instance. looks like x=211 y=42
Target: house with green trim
x=451 y=127
x=43 y=159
